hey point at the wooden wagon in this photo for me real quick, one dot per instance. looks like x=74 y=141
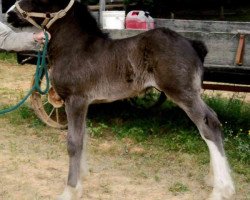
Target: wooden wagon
x=227 y=65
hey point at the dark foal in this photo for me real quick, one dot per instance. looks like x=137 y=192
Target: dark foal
x=89 y=67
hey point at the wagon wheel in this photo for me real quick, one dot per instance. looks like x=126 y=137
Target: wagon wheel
x=49 y=108
x=150 y=98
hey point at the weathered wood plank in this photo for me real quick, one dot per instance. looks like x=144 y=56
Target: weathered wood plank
x=107 y=7
x=222 y=46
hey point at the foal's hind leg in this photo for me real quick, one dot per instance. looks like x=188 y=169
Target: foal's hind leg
x=76 y=109
x=210 y=130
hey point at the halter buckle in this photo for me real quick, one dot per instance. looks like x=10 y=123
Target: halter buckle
x=25 y=15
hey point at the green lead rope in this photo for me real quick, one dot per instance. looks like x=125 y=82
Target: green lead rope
x=41 y=70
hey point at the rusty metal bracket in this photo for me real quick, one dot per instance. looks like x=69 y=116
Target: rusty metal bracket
x=240 y=50
x=226 y=87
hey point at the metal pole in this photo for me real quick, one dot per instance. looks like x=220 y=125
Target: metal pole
x=1 y=10
x=102 y=5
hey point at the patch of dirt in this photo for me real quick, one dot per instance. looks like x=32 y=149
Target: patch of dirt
x=28 y=171
x=16 y=76
x=15 y=79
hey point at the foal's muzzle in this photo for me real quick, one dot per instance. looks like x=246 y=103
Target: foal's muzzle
x=15 y=19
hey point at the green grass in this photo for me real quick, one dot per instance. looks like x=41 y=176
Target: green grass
x=234 y=114
x=166 y=128
x=177 y=188
x=8 y=57
x=169 y=128
x=23 y=115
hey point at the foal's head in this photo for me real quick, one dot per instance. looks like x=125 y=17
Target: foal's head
x=17 y=19
x=78 y=14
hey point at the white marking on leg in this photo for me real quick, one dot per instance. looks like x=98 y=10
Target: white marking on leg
x=71 y=193
x=67 y=194
x=222 y=181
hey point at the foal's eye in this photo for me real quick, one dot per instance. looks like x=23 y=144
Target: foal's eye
x=35 y=3
x=39 y=5
x=44 y=1
x=40 y=2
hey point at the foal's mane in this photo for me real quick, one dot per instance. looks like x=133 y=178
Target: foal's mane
x=86 y=21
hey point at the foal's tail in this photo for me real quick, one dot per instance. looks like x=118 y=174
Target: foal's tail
x=200 y=48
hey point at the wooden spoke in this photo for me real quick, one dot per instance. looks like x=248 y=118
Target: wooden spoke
x=51 y=112
x=45 y=103
x=47 y=113
x=57 y=115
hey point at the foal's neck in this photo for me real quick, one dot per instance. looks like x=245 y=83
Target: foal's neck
x=71 y=34
x=78 y=26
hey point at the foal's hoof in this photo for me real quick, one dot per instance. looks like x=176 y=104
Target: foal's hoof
x=225 y=193
x=209 y=180
x=71 y=193
x=66 y=195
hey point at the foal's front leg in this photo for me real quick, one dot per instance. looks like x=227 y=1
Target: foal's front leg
x=76 y=109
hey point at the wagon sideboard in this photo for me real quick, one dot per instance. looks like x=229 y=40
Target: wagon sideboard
x=222 y=40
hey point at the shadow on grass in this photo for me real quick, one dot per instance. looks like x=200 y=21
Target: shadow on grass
x=169 y=127
x=165 y=127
